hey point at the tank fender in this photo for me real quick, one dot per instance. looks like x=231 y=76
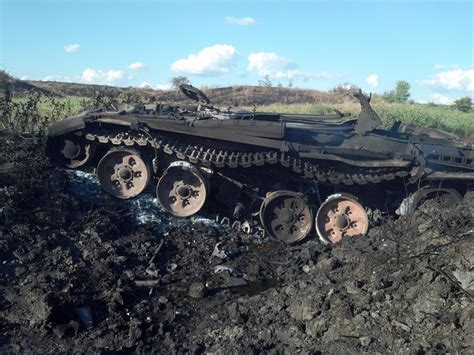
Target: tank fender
x=67 y=125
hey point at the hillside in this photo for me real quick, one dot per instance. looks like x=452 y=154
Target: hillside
x=233 y=96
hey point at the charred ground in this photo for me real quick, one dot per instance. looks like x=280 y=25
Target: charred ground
x=82 y=272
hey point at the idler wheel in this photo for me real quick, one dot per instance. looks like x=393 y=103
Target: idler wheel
x=286 y=216
x=123 y=173
x=341 y=215
x=69 y=151
x=182 y=189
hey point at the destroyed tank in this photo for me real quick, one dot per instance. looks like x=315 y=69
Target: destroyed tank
x=282 y=175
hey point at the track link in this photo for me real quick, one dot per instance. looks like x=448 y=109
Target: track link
x=208 y=157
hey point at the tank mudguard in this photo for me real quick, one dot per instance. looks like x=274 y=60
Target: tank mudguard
x=67 y=125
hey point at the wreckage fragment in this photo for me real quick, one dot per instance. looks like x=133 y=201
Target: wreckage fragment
x=123 y=173
x=182 y=189
x=286 y=216
x=341 y=216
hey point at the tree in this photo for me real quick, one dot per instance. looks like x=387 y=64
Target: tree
x=179 y=80
x=463 y=104
x=401 y=93
x=266 y=82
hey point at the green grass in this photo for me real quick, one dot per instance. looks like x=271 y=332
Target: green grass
x=430 y=116
x=72 y=105
x=34 y=113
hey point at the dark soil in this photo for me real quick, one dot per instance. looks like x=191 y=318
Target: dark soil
x=82 y=272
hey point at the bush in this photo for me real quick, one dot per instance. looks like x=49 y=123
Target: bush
x=463 y=104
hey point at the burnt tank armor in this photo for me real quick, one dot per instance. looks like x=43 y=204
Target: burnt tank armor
x=285 y=175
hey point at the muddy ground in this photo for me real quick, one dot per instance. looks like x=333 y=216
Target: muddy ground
x=82 y=272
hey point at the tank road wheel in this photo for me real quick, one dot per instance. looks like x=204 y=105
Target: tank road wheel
x=286 y=216
x=69 y=151
x=123 y=173
x=341 y=216
x=182 y=189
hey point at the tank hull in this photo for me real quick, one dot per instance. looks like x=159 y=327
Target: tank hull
x=312 y=155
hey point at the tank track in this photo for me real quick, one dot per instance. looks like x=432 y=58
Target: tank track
x=222 y=158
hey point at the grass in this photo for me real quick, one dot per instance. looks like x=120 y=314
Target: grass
x=423 y=115
x=34 y=113
x=47 y=107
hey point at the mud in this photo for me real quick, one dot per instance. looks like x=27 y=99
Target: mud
x=82 y=272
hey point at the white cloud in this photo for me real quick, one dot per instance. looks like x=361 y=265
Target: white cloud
x=373 y=80
x=439 y=66
x=94 y=76
x=163 y=87
x=214 y=60
x=245 y=21
x=24 y=77
x=145 y=85
x=61 y=78
x=72 y=48
x=441 y=99
x=457 y=79
x=49 y=78
x=137 y=66
x=279 y=68
x=269 y=64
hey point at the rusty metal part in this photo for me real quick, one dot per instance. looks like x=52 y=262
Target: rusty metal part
x=123 y=173
x=286 y=216
x=182 y=189
x=341 y=215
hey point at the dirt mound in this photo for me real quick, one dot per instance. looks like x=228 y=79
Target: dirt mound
x=82 y=272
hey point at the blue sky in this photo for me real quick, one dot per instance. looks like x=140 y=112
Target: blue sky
x=312 y=44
